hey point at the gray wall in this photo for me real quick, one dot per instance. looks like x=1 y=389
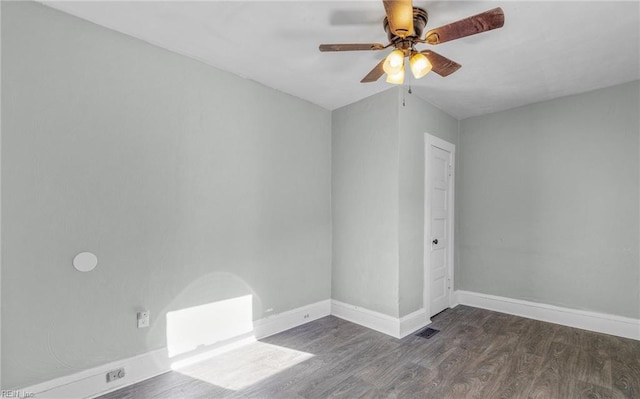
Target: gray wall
x=548 y=202
x=378 y=199
x=416 y=117
x=364 y=199
x=191 y=185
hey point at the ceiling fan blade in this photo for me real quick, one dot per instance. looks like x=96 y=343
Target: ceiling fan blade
x=351 y=47
x=440 y=64
x=400 y=17
x=375 y=73
x=482 y=22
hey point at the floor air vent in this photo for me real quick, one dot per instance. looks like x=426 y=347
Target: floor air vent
x=427 y=333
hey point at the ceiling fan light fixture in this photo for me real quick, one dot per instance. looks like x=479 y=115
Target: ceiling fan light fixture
x=396 y=78
x=404 y=25
x=420 y=65
x=394 y=63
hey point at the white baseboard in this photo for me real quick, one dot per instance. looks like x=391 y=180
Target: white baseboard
x=92 y=382
x=599 y=322
x=368 y=318
x=413 y=322
x=292 y=318
x=393 y=326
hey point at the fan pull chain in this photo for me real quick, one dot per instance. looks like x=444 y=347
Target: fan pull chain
x=403 y=96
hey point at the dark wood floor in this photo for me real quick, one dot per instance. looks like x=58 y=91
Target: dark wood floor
x=477 y=354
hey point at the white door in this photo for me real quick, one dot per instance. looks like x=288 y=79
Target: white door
x=439 y=157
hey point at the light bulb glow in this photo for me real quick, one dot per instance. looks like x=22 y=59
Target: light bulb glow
x=420 y=65
x=394 y=63
x=396 y=78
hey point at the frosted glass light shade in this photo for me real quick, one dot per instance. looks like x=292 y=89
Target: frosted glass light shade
x=396 y=78
x=420 y=65
x=394 y=63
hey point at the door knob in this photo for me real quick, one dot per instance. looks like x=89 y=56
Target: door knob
x=435 y=241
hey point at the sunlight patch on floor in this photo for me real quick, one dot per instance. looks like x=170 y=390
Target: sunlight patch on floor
x=245 y=366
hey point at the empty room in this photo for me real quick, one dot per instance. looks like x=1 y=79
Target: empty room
x=312 y=199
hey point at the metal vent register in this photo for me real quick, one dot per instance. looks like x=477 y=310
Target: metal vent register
x=427 y=333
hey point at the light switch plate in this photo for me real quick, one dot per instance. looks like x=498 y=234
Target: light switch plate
x=143 y=319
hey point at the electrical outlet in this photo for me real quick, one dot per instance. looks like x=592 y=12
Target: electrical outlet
x=143 y=319
x=306 y=316
x=115 y=374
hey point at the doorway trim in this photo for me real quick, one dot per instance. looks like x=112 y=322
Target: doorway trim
x=430 y=140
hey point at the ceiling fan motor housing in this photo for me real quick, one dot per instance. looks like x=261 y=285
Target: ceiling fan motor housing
x=420 y=18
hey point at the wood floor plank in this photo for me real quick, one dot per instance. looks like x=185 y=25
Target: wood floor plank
x=595 y=368
x=591 y=391
x=477 y=354
x=515 y=379
x=352 y=387
x=626 y=378
x=412 y=381
x=538 y=337
x=352 y=359
x=556 y=378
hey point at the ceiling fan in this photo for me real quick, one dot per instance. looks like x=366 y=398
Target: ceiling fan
x=404 y=24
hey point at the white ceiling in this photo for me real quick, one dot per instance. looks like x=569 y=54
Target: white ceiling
x=545 y=49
